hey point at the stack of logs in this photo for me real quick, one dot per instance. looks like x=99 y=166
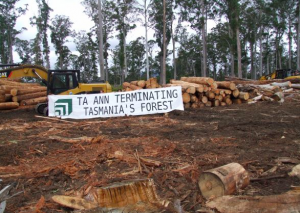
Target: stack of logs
x=141 y=84
x=14 y=94
x=203 y=91
x=268 y=90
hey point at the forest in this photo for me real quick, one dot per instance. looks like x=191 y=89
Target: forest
x=251 y=38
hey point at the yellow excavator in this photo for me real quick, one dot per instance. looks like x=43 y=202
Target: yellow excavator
x=58 y=82
x=286 y=74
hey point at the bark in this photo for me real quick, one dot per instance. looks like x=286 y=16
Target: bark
x=33 y=101
x=239 y=52
x=226 y=85
x=288 y=202
x=29 y=96
x=298 y=41
x=15 y=92
x=174 y=58
x=198 y=80
x=146 y=41
x=204 y=48
x=100 y=33
x=163 y=81
x=9 y=105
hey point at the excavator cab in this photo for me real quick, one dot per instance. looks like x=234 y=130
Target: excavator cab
x=62 y=80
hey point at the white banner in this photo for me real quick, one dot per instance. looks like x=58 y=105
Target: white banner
x=139 y=102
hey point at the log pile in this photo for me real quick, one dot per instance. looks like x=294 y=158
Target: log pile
x=199 y=92
x=14 y=94
x=141 y=84
x=270 y=91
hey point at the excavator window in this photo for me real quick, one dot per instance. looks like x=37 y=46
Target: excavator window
x=62 y=81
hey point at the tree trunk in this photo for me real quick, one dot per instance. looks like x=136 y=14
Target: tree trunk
x=260 y=55
x=290 y=44
x=146 y=36
x=239 y=52
x=298 y=41
x=100 y=34
x=252 y=60
x=173 y=42
x=163 y=80
x=204 y=51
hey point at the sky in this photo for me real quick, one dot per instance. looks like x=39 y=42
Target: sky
x=75 y=11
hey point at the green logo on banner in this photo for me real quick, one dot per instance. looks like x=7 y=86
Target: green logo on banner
x=63 y=107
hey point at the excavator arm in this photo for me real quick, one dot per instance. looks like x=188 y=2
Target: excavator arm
x=25 y=71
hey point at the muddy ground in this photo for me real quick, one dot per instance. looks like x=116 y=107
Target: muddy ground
x=44 y=157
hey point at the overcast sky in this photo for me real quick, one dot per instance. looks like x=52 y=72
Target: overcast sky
x=75 y=11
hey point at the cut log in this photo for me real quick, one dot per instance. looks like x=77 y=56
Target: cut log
x=282 y=84
x=125 y=85
x=204 y=99
x=2 y=92
x=227 y=100
x=225 y=91
x=186 y=85
x=194 y=99
x=12 y=83
x=16 y=92
x=74 y=202
x=237 y=101
x=198 y=80
x=224 y=180
x=9 y=105
x=216 y=103
x=295 y=86
x=244 y=96
x=187 y=105
x=141 y=83
x=235 y=93
x=33 y=101
x=29 y=96
x=211 y=95
x=134 y=87
x=186 y=98
x=134 y=82
x=288 y=202
x=219 y=97
x=223 y=104
x=226 y=85
x=208 y=104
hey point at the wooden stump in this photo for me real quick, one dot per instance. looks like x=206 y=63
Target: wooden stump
x=224 y=180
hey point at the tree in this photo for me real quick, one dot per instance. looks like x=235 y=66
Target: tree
x=60 y=31
x=41 y=22
x=23 y=48
x=136 y=54
x=8 y=17
x=87 y=59
x=156 y=15
x=231 y=10
x=101 y=14
x=124 y=16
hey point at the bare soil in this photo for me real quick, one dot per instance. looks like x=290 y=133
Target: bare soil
x=35 y=157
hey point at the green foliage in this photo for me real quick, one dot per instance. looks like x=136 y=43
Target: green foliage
x=61 y=30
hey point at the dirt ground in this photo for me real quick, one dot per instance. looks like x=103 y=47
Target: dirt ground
x=44 y=157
